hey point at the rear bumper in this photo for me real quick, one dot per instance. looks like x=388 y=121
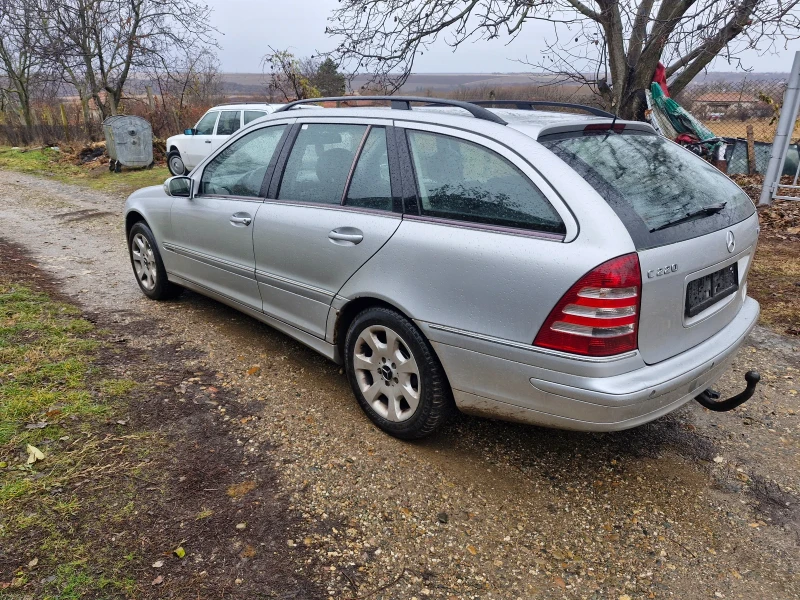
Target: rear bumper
x=520 y=390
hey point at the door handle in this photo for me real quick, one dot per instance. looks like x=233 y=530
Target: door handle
x=208 y=141
x=346 y=236
x=241 y=219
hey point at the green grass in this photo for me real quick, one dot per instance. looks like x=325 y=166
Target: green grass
x=48 y=377
x=50 y=163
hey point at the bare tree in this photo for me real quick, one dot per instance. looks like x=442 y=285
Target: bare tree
x=187 y=77
x=101 y=44
x=23 y=70
x=613 y=46
x=289 y=77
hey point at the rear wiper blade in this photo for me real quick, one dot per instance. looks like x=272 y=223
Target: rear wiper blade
x=711 y=209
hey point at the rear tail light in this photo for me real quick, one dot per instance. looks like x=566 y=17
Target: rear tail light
x=599 y=315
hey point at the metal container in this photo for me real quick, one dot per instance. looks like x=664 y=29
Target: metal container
x=129 y=142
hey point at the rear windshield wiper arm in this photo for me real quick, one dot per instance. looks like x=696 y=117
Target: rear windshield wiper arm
x=711 y=209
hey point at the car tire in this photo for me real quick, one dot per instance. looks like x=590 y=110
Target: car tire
x=175 y=163
x=148 y=267
x=395 y=374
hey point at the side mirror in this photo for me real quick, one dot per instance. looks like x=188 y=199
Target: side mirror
x=180 y=186
x=188 y=132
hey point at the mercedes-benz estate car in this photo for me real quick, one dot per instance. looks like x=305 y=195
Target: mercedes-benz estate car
x=572 y=271
x=187 y=150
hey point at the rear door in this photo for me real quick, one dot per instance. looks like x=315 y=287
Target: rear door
x=230 y=121
x=333 y=207
x=694 y=229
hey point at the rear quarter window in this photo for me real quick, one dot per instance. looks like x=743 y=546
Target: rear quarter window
x=651 y=182
x=462 y=181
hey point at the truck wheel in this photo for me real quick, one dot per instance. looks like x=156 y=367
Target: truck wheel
x=175 y=163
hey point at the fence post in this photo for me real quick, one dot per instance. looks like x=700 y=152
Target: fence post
x=751 y=151
x=783 y=134
x=64 y=122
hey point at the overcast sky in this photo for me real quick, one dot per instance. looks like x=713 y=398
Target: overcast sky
x=248 y=27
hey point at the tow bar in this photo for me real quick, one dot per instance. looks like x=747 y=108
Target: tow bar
x=710 y=398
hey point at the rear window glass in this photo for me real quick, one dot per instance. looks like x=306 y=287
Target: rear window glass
x=229 y=122
x=252 y=115
x=647 y=177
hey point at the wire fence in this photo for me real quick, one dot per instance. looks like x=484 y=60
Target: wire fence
x=745 y=113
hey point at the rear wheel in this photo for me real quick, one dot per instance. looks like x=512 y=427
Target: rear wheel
x=148 y=266
x=175 y=163
x=395 y=374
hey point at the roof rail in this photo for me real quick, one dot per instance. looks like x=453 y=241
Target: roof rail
x=241 y=103
x=404 y=103
x=533 y=104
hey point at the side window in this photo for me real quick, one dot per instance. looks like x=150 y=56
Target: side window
x=239 y=170
x=370 y=186
x=229 y=122
x=320 y=162
x=464 y=181
x=206 y=125
x=252 y=115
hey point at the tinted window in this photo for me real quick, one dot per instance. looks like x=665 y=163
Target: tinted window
x=320 y=162
x=370 y=186
x=644 y=174
x=240 y=168
x=206 y=125
x=464 y=181
x=252 y=115
x=229 y=122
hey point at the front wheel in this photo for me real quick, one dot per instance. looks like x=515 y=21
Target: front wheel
x=148 y=266
x=395 y=375
x=175 y=163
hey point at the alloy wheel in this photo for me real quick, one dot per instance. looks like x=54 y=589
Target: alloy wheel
x=387 y=373
x=144 y=261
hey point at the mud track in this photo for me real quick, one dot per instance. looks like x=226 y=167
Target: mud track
x=694 y=505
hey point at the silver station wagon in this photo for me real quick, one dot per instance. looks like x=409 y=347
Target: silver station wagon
x=568 y=270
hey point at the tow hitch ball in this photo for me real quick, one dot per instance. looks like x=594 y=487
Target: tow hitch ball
x=710 y=398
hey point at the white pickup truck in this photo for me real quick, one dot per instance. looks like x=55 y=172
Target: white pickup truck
x=186 y=151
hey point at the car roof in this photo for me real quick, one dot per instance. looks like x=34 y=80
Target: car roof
x=246 y=106
x=532 y=123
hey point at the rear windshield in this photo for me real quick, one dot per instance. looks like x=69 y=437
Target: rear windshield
x=651 y=182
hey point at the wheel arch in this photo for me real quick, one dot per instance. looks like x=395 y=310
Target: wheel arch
x=133 y=217
x=349 y=311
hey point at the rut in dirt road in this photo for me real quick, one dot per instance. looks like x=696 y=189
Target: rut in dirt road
x=695 y=504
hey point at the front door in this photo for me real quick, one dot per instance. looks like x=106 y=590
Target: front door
x=333 y=210
x=198 y=145
x=212 y=232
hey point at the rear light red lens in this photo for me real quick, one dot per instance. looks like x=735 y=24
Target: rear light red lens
x=599 y=315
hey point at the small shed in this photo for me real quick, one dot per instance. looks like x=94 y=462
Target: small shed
x=129 y=142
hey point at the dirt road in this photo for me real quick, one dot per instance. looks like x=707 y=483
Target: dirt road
x=695 y=505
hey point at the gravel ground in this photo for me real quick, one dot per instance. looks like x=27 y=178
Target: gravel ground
x=694 y=505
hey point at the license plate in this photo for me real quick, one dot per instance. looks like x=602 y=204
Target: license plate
x=710 y=289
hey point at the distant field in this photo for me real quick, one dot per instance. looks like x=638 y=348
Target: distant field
x=763 y=131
